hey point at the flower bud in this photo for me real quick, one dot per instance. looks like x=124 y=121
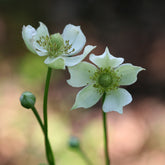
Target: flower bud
x=74 y=142
x=27 y=100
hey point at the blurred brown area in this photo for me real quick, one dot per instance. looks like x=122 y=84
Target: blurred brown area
x=132 y=29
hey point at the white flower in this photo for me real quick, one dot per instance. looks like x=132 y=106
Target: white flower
x=59 y=49
x=106 y=79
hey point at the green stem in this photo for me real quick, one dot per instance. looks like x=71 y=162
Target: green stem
x=46 y=100
x=49 y=152
x=84 y=156
x=38 y=118
x=48 y=146
x=105 y=136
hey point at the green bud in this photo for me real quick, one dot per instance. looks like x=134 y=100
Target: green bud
x=74 y=142
x=27 y=100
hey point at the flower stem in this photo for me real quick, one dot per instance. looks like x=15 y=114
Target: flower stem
x=49 y=152
x=46 y=100
x=105 y=135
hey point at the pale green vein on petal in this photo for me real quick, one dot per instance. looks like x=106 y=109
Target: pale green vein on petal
x=128 y=73
x=55 y=63
x=116 y=99
x=106 y=60
x=80 y=74
x=71 y=61
x=87 y=97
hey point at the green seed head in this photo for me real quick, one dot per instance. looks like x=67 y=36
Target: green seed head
x=55 y=45
x=105 y=80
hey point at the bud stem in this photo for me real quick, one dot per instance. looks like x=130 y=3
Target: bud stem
x=38 y=118
x=84 y=156
x=49 y=152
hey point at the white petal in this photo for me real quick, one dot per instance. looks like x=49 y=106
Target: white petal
x=30 y=36
x=42 y=31
x=80 y=74
x=39 y=49
x=71 y=61
x=128 y=73
x=87 y=97
x=75 y=37
x=28 y=32
x=55 y=63
x=116 y=99
x=106 y=60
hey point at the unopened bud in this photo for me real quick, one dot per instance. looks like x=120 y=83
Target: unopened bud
x=27 y=100
x=74 y=142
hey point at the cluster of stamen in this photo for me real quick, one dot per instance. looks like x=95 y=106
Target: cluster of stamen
x=55 y=45
x=67 y=47
x=105 y=79
x=43 y=40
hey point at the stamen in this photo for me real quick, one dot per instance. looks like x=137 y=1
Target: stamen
x=68 y=47
x=105 y=79
x=55 y=46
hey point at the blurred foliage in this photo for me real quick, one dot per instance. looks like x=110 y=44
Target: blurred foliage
x=32 y=69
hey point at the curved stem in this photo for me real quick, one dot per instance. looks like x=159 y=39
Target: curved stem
x=49 y=152
x=84 y=156
x=48 y=147
x=105 y=136
x=38 y=118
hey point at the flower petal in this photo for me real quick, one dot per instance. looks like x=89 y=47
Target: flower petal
x=116 y=99
x=30 y=36
x=80 y=74
x=39 y=50
x=75 y=37
x=42 y=31
x=28 y=32
x=128 y=73
x=106 y=60
x=55 y=63
x=71 y=61
x=87 y=97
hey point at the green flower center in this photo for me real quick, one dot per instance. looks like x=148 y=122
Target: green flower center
x=105 y=79
x=55 y=45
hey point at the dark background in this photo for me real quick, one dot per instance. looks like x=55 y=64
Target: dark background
x=133 y=29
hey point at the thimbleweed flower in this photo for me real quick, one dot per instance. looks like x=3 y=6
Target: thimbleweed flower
x=106 y=79
x=59 y=48
x=27 y=100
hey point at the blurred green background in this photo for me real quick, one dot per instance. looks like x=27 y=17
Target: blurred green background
x=132 y=29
